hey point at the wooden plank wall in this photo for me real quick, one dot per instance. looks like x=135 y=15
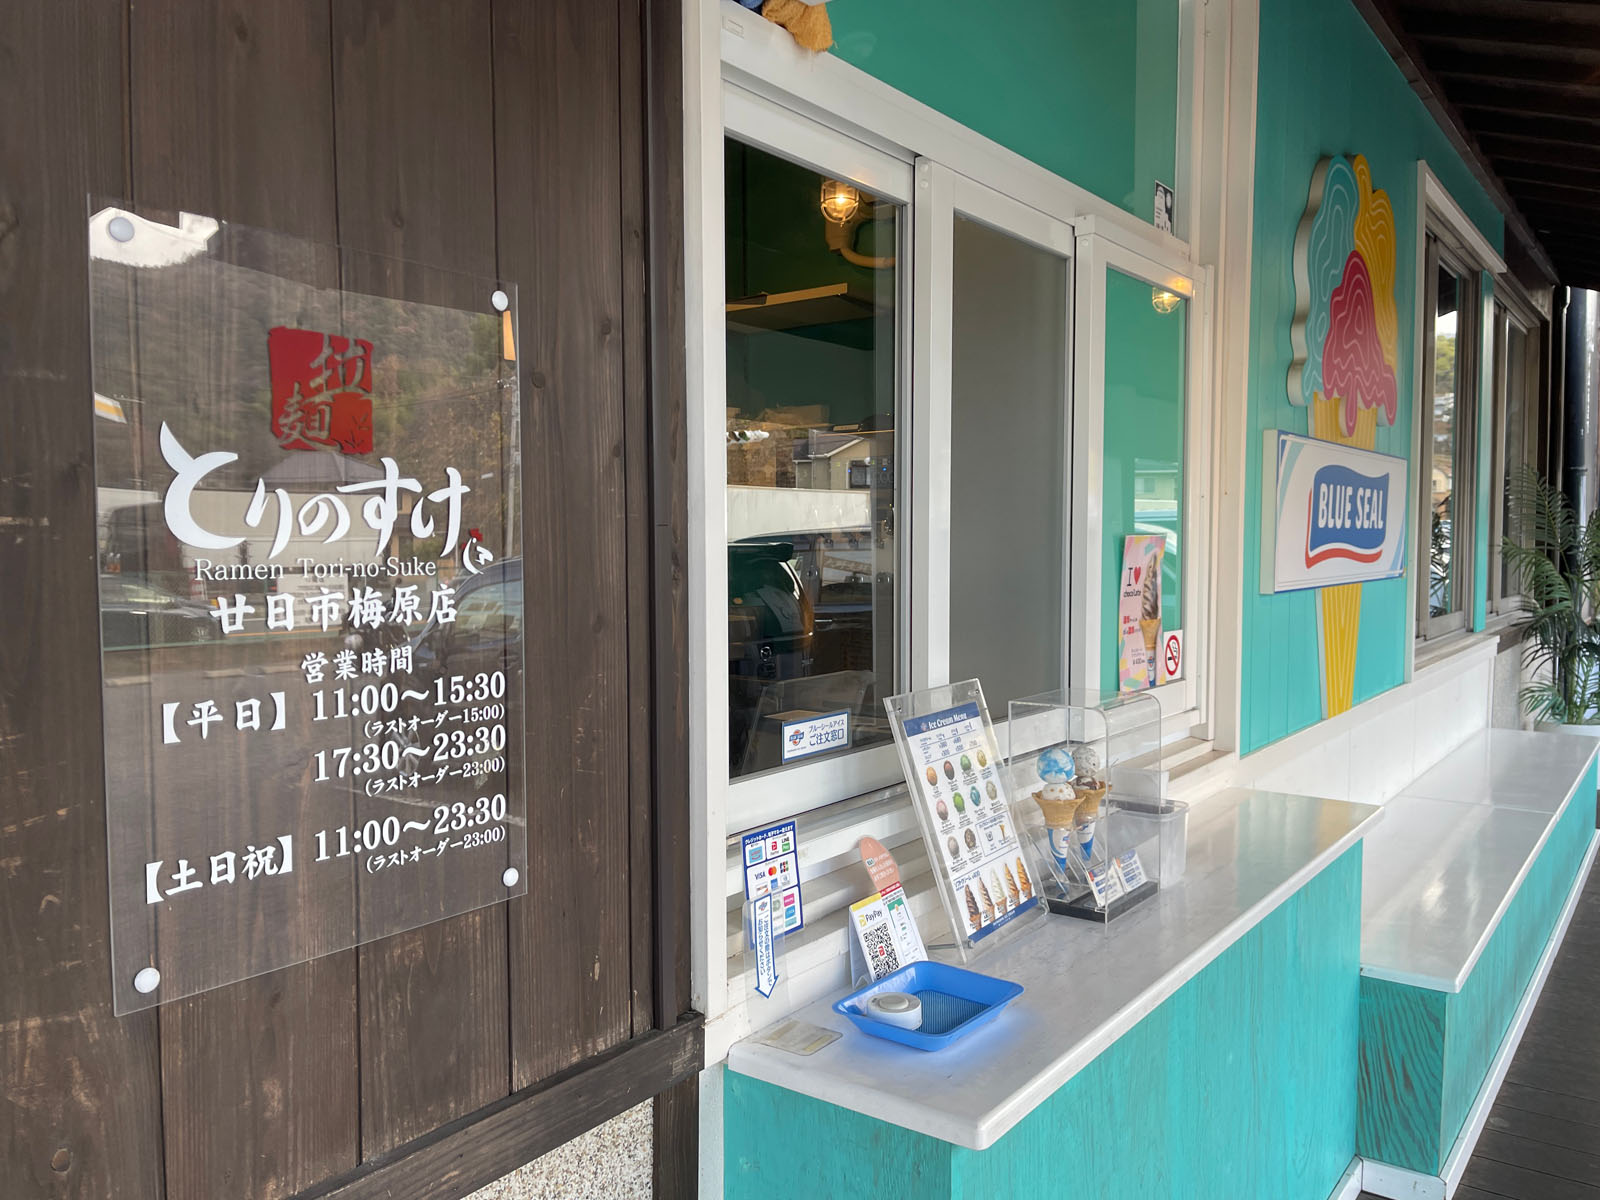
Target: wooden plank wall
x=520 y=139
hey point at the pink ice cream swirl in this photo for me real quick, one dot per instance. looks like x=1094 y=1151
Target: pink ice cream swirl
x=1353 y=366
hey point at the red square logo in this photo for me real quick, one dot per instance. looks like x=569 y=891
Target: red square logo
x=321 y=390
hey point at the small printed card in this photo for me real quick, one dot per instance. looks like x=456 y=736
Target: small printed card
x=886 y=936
x=796 y=1037
x=772 y=868
x=812 y=733
x=1131 y=870
x=1105 y=883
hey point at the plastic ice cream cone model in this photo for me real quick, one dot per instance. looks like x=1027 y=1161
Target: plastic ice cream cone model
x=974 y=917
x=1057 y=765
x=1059 y=804
x=1057 y=799
x=1086 y=819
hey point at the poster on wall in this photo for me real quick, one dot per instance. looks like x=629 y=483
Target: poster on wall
x=311 y=597
x=1331 y=514
x=958 y=788
x=1139 y=612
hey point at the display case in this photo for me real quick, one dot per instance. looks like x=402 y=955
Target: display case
x=1091 y=797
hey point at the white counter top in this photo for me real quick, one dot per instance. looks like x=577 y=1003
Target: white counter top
x=1455 y=847
x=1509 y=768
x=1248 y=852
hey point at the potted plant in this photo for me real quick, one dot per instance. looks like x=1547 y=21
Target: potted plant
x=1555 y=561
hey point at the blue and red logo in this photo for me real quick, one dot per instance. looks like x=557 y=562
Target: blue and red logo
x=1348 y=516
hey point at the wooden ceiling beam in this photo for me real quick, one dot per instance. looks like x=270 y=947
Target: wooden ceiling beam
x=1555 y=34
x=1384 y=19
x=1533 y=11
x=1576 y=130
x=1527 y=99
x=1509 y=153
x=1560 y=208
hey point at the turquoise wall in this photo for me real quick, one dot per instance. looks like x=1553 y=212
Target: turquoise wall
x=1241 y=1084
x=1084 y=88
x=1326 y=86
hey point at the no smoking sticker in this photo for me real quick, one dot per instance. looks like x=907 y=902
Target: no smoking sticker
x=1171 y=655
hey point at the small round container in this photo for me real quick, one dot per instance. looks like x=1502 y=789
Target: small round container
x=901 y=1009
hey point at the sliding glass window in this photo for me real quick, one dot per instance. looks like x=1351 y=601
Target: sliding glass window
x=1517 y=379
x=812 y=452
x=1448 y=443
x=1008 y=463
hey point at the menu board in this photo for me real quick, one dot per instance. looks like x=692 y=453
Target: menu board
x=311 y=597
x=958 y=782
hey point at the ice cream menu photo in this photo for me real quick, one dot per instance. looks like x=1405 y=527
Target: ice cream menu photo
x=959 y=783
x=1139 y=611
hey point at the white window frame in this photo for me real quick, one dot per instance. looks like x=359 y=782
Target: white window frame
x=1187 y=703
x=1437 y=213
x=1215 y=164
x=943 y=195
x=1512 y=312
x=1442 y=254
x=785 y=115
x=760 y=122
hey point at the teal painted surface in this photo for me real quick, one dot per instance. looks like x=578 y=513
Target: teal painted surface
x=1326 y=86
x=1401 y=1075
x=1085 y=89
x=1143 y=459
x=1425 y=1054
x=780 y=1145
x=1480 y=560
x=1478 y=1017
x=1242 y=1084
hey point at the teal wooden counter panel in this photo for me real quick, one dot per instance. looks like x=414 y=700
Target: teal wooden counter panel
x=1242 y=1084
x=1426 y=1053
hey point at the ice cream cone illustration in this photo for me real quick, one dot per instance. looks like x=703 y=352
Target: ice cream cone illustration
x=974 y=917
x=1345 y=355
x=1011 y=886
x=1024 y=884
x=988 y=901
x=1150 y=615
x=1339 y=607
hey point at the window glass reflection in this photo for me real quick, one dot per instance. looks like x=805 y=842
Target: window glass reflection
x=811 y=453
x=1442 y=514
x=1146 y=356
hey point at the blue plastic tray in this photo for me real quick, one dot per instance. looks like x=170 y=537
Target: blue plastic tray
x=954 y=1003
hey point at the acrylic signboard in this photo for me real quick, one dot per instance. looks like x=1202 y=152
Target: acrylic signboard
x=958 y=788
x=311 y=611
x=1331 y=514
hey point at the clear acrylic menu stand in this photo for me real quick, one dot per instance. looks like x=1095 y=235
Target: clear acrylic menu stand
x=985 y=870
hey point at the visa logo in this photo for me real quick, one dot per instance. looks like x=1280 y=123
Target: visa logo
x=1348 y=515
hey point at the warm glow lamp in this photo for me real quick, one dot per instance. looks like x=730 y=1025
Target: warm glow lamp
x=839 y=201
